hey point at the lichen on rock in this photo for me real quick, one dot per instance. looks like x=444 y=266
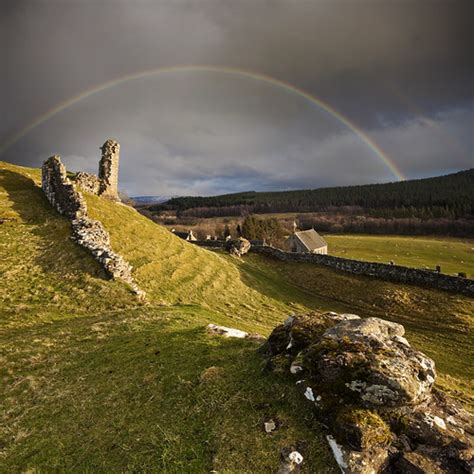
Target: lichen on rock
x=374 y=392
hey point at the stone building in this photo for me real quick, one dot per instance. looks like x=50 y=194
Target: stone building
x=109 y=169
x=306 y=241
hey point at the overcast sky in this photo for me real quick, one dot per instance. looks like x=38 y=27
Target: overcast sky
x=400 y=70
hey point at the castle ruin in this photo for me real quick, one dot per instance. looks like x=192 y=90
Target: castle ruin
x=106 y=184
x=64 y=195
x=109 y=169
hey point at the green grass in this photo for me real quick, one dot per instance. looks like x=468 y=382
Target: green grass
x=438 y=323
x=453 y=255
x=92 y=380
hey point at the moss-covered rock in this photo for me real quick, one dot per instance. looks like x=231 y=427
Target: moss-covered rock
x=280 y=364
x=361 y=429
x=373 y=391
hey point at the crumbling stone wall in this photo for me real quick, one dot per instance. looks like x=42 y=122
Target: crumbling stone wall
x=60 y=191
x=394 y=273
x=91 y=235
x=86 y=232
x=109 y=169
x=88 y=182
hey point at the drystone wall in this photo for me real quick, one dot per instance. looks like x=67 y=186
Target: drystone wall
x=212 y=244
x=383 y=271
x=86 y=232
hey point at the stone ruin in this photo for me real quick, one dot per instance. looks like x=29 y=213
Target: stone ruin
x=109 y=169
x=60 y=191
x=374 y=393
x=106 y=183
x=90 y=234
x=87 y=182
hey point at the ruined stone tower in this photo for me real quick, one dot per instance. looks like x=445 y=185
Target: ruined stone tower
x=109 y=169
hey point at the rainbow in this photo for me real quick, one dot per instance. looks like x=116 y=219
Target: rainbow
x=216 y=69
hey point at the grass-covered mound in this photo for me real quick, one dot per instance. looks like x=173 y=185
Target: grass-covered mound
x=93 y=380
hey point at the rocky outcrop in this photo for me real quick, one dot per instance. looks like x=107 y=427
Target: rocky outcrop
x=88 y=233
x=238 y=247
x=374 y=392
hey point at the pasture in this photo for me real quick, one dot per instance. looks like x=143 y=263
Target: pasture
x=453 y=255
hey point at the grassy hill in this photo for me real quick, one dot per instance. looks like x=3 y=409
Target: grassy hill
x=95 y=381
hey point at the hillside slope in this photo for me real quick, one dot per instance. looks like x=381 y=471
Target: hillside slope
x=95 y=381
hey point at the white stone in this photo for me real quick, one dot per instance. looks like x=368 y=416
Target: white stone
x=401 y=340
x=337 y=452
x=350 y=316
x=269 y=426
x=295 y=457
x=436 y=420
x=439 y=422
x=295 y=368
x=227 y=332
x=309 y=394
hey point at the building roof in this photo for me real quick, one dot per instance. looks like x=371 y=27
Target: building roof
x=310 y=239
x=183 y=235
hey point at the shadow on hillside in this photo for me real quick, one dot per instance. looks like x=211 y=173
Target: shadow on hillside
x=271 y=283
x=55 y=248
x=176 y=386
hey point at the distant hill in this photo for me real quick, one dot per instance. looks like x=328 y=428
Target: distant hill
x=444 y=196
x=143 y=200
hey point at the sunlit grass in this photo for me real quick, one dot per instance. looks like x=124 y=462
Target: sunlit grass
x=92 y=380
x=453 y=255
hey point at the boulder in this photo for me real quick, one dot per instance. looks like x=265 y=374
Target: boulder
x=370 y=461
x=374 y=393
x=372 y=364
x=238 y=247
x=299 y=331
x=361 y=429
x=416 y=463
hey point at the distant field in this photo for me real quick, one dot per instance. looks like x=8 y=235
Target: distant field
x=454 y=255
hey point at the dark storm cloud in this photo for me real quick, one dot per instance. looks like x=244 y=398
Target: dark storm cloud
x=401 y=70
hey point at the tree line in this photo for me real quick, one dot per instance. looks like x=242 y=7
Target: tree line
x=449 y=196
